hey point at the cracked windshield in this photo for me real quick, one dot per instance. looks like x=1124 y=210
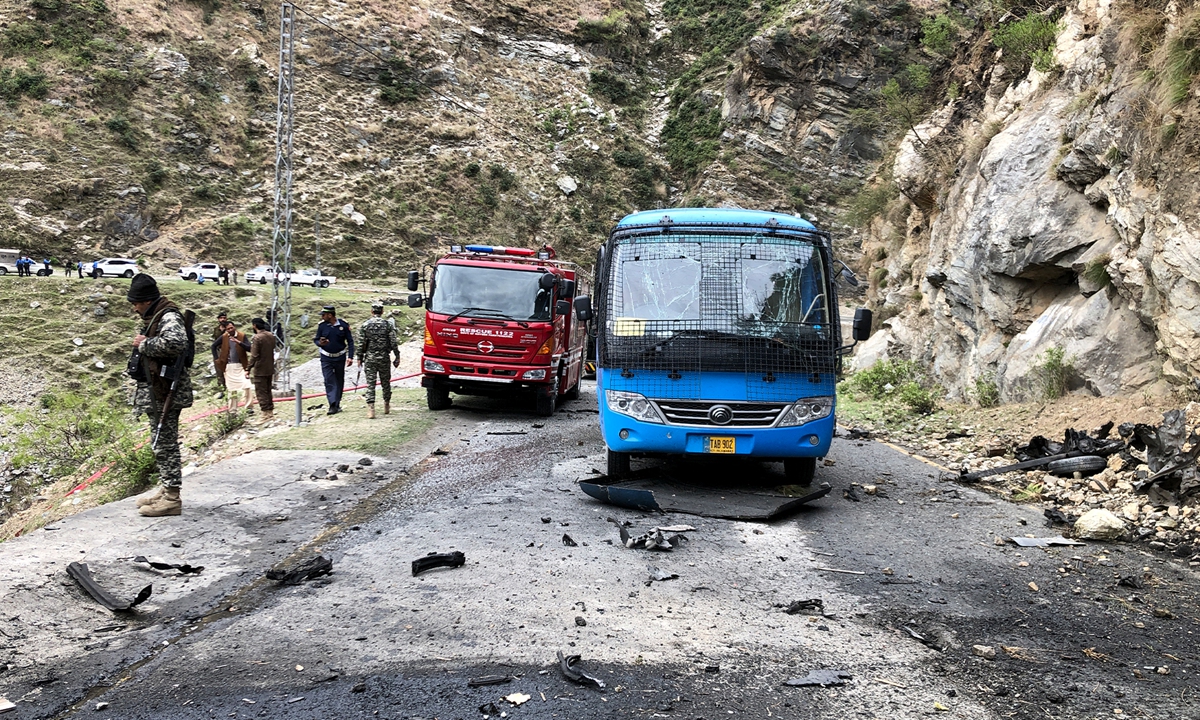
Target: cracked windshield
x=489 y=292
x=757 y=289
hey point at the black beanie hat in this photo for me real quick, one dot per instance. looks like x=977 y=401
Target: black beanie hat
x=142 y=288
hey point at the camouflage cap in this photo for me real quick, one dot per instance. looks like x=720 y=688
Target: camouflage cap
x=377 y=305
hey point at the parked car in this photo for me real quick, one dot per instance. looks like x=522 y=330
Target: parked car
x=262 y=274
x=112 y=267
x=313 y=277
x=210 y=271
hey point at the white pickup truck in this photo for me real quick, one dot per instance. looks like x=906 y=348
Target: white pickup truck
x=313 y=277
x=210 y=271
x=264 y=274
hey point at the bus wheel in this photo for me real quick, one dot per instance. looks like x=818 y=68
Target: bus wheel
x=800 y=471
x=618 y=464
x=437 y=398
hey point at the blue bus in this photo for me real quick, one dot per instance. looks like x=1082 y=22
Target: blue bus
x=717 y=332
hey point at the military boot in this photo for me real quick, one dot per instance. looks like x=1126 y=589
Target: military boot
x=387 y=407
x=168 y=504
x=371 y=411
x=150 y=499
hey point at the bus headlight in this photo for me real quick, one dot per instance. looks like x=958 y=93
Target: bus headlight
x=632 y=404
x=433 y=366
x=805 y=410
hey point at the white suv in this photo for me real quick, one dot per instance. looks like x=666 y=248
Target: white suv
x=112 y=267
x=261 y=274
x=210 y=271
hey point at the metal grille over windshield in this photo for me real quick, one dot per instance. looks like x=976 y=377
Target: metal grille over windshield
x=753 y=303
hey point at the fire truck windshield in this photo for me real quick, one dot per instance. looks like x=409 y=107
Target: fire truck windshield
x=489 y=292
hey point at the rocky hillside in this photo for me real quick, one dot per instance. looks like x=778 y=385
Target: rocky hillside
x=1015 y=177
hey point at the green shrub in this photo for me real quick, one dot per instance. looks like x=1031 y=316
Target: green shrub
x=126 y=133
x=1182 y=61
x=986 y=393
x=938 y=34
x=1096 y=271
x=400 y=82
x=869 y=203
x=1028 y=41
x=882 y=378
x=611 y=86
x=919 y=76
x=69 y=431
x=15 y=84
x=1053 y=371
x=918 y=398
x=503 y=177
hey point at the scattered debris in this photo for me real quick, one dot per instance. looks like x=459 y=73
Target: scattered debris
x=183 y=568
x=1040 y=452
x=567 y=666
x=489 y=680
x=857 y=433
x=546 y=521
x=434 y=560
x=850 y=494
x=987 y=652
x=489 y=708
x=1130 y=581
x=799 y=606
x=652 y=540
x=568 y=541
x=307 y=570
x=1044 y=542
x=6 y=704
x=580 y=621
x=648 y=490
x=844 y=572
x=80 y=573
x=823 y=678
x=517 y=698
x=922 y=639
x=1058 y=517
x=1099 y=524
x=659 y=575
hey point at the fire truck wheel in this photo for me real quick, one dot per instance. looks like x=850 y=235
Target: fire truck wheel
x=800 y=471
x=437 y=398
x=618 y=464
x=545 y=403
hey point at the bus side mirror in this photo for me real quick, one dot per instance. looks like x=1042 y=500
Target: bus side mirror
x=546 y=281
x=567 y=288
x=562 y=307
x=583 y=308
x=413 y=278
x=415 y=300
x=861 y=328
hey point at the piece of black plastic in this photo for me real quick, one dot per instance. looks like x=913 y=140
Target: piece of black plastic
x=80 y=573
x=798 y=606
x=649 y=489
x=566 y=665
x=568 y=540
x=823 y=678
x=307 y=570
x=489 y=680
x=183 y=568
x=435 y=560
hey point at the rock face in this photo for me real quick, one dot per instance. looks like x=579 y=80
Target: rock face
x=1068 y=225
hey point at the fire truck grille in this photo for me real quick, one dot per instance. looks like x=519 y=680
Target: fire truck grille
x=700 y=413
x=472 y=350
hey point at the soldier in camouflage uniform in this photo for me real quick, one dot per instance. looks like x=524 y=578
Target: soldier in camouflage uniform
x=377 y=342
x=162 y=339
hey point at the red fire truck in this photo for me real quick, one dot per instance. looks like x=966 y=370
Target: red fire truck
x=498 y=322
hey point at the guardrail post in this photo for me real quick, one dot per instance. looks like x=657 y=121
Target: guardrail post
x=299 y=408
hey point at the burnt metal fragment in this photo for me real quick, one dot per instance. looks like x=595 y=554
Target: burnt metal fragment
x=798 y=606
x=922 y=639
x=569 y=541
x=1054 y=515
x=567 y=666
x=489 y=680
x=80 y=573
x=435 y=560
x=183 y=568
x=307 y=570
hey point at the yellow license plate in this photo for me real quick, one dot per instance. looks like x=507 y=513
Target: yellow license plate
x=724 y=445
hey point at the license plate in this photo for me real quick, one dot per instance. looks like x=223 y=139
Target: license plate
x=723 y=445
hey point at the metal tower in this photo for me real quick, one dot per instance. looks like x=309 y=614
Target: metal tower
x=281 y=234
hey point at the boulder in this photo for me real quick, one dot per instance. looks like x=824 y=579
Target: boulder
x=1099 y=524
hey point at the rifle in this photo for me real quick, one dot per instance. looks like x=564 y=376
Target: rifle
x=173 y=371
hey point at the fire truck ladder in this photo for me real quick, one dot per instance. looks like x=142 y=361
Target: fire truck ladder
x=281 y=232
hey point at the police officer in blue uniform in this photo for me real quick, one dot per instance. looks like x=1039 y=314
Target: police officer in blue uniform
x=335 y=340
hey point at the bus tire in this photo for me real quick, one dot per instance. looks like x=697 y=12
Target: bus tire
x=437 y=398
x=800 y=471
x=618 y=464
x=1084 y=465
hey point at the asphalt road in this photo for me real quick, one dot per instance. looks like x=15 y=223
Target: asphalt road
x=910 y=578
